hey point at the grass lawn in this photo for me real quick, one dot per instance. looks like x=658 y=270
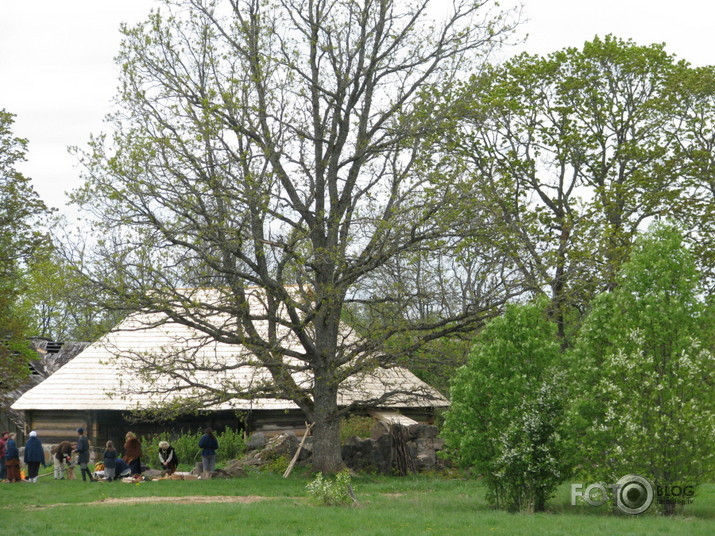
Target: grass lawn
x=388 y=506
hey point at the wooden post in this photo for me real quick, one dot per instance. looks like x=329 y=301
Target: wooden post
x=297 y=452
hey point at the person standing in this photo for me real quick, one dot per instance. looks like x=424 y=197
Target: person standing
x=82 y=450
x=3 y=442
x=209 y=444
x=12 y=459
x=167 y=458
x=133 y=453
x=34 y=456
x=62 y=456
x=110 y=461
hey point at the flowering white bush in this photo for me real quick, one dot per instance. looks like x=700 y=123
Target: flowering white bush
x=507 y=412
x=329 y=492
x=647 y=406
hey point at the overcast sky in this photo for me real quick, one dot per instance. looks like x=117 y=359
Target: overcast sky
x=57 y=73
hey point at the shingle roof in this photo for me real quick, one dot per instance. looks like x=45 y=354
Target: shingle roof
x=54 y=355
x=100 y=377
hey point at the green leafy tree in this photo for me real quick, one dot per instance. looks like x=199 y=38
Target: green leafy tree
x=275 y=145
x=648 y=373
x=20 y=212
x=507 y=414
x=59 y=303
x=572 y=152
x=694 y=144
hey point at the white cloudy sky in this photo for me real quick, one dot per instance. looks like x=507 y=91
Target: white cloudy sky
x=58 y=76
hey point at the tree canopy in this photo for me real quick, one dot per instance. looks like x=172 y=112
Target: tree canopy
x=575 y=151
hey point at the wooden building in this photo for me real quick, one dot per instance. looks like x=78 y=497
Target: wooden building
x=100 y=390
x=51 y=356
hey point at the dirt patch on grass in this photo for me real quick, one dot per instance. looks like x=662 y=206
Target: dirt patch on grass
x=191 y=499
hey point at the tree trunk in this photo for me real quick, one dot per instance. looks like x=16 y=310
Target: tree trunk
x=559 y=300
x=540 y=502
x=669 y=509
x=327 y=457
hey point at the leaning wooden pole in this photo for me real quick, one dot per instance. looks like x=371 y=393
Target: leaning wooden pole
x=297 y=452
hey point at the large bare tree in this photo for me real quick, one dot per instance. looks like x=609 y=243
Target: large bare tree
x=275 y=144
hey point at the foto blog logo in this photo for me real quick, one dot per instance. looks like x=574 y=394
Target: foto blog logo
x=633 y=494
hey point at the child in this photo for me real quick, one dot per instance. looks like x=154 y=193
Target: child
x=110 y=461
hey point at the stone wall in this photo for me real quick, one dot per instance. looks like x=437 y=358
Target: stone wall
x=374 y=455
x=378 y=454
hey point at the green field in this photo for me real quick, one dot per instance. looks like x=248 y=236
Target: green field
x=388 y=506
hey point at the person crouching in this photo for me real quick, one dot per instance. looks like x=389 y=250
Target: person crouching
x=62 y=456
x=168 y=459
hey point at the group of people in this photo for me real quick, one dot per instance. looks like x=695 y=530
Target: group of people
x=62 y=457
x=10 y=457
x=35 y=456
x=115 y=466
x=130 y=463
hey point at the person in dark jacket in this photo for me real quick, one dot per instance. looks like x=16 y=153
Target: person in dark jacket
x=167 y=458
x=133 y=453
x=12 y=459
x=122 y=469
x=110 y=461
x=83 y=459
x=3 y=442
x=34 y=456
x=208 y=443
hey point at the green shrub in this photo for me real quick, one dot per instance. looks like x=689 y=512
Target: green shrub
x=507 y=418
x=231 y=446
x=355 y=425
x=329 y=492
x=277 y=465
x=185 y=445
